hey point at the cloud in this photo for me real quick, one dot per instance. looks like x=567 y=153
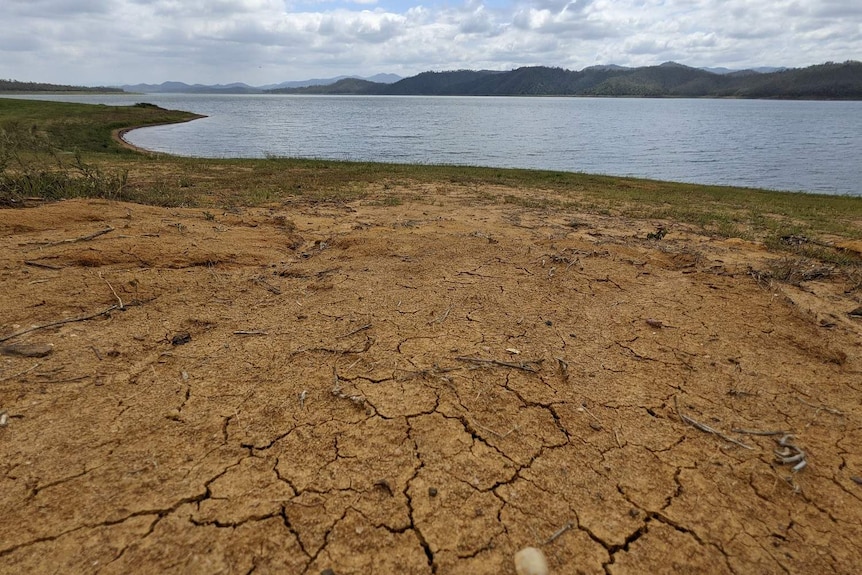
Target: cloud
x=268 y=41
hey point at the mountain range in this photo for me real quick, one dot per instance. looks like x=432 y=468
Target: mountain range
x=829 y=81
x=241 y=88
x=824 y=81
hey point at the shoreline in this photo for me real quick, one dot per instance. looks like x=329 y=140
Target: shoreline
x=118 y=135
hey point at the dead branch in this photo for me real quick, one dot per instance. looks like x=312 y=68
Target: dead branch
x=705 y=428
x=355 y=331
x=36 y=264
x=14 y=375
x=337 y=391
x=436 y=370
x=524 y=366
x=366 y=345
x=267 y=286
x=757 y=432
x=558 y=533
x=443 y=316
x=86 y=238
x=497 y=433
x=819 y=408
x=113 y=291
x=564 y=365
x=250 y=332
x=56 y=323
x=790 y=453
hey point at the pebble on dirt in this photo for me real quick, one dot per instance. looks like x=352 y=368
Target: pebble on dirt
x=181 y=338
x=531 y=561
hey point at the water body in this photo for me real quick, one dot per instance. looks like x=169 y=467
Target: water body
x=809 y=146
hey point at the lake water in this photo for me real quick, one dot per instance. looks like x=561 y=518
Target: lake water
x=807 y=146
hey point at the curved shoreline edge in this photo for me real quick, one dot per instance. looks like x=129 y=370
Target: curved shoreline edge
x=119 y=134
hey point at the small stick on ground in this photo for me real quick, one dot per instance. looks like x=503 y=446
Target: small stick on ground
x=758 y=432
x=86 y=238
x=36 y=264
x=355 y=331
x=564 y=365
x=354 y=349
x=831 y=410
x=558 y=533
x=56 y=323
x=251 y=332
x=497 y=433
x=705 y=428
x=14 y=375
x=113 y=291
x=357 y=400
x=583 y=408
x=267 y=286
x=436 y=370
x=443 y=317
x=525 y=366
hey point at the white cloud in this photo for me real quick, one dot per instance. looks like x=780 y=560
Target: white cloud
x=268 y=41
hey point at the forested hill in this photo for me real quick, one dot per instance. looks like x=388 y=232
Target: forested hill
x=824 y=81
x=25 y=87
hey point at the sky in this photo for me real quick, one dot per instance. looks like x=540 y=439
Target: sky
x=260 y=42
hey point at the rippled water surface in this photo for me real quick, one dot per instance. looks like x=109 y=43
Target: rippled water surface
x=782 y=145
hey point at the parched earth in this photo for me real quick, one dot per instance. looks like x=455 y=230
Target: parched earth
x=424 y=387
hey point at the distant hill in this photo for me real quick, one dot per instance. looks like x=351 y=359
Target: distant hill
x=379 y=78
x=824 y=81
x=760 y=70
x=241 y=88
x=341 y=87
x=24 y=87
x=183 y=88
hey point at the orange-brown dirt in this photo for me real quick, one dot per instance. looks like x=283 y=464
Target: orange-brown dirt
x=416 y=388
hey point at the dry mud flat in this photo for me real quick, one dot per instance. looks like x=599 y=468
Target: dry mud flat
x=418 y=388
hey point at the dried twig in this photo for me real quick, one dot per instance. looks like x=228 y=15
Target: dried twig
x=831 y=410
x=355 y=331
x=564 y=365
x=86 y=238
x=443 y=316
x=558 y=533
x=267 y=286
x=36 y=264
x=705 y=428
x=617 y=437
x=757 y=432
x=790 y=453
x=113 y=291
x=497 y=433
x=14 y=375
x=524 y=366
x=366 y=345
x=56 y=323
x=337 y=391
x=436 y=370
x=250 y=332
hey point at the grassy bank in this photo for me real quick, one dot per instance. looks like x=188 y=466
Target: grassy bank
x=75 y=141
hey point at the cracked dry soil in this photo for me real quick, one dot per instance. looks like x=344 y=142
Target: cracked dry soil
x=419 y=388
